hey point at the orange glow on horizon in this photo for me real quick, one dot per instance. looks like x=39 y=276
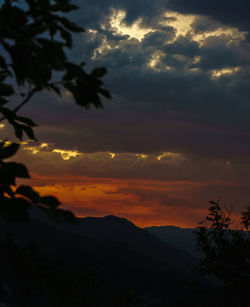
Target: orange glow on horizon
x=144 y=202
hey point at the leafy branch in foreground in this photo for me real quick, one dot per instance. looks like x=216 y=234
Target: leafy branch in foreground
x=34 y=38
x=15 y=202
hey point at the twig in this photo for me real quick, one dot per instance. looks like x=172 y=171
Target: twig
x=26 y=100
x=31 y=93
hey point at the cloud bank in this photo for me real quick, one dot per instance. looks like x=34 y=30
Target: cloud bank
x=179 y=75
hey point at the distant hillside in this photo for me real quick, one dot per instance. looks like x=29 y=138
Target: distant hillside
x=182 y=238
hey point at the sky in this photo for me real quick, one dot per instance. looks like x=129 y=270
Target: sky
x=176 y=133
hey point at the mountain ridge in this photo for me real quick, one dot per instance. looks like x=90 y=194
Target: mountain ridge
x=183 y=238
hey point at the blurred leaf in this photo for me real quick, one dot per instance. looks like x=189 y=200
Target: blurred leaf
x=3 y=101
x=71 y=25
x=28 y=192
x=18 y=130
x=60 y=215
x=67 y=36
x=26 y=120
x=2 y=62
x=105 y=93
x=63 y=7
x=55 y=89
x=99 y=72
x=50 y=201
x=30 y=133
x=6 y=89
x=16 y=169
x=9 y=150
x=68 y=216
x=6 y=189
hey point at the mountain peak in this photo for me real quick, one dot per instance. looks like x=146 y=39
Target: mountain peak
x=107 y=220
x=114 y=217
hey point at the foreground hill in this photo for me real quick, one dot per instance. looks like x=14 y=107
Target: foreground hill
x=118 y=229
x=122 y=255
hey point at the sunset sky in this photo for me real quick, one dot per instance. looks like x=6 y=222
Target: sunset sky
x=176 y=133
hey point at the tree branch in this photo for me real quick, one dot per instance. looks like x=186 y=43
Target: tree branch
x=26 y=100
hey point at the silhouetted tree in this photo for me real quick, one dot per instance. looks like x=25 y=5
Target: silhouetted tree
x=34 y=38
x=226 y=254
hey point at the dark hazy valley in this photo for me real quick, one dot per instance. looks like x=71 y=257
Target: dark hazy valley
x=121 y=261
x=109 y=261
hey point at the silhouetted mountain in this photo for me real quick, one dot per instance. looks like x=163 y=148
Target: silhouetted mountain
x=118 y=229
x=182 y=238
x=123 y=255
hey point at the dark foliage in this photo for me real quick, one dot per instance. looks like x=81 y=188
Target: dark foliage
x=226 y=254
x=34 y=38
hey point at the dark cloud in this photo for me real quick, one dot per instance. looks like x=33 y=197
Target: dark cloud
x=158 y=38
x=229 y=12
x=183 y=46
x=181 y=109
x=203 y=24
x=217 y=54
x=154 y=112
x=166 y=98
x=96 y=11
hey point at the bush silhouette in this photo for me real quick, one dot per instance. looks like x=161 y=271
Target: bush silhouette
x=226 y=254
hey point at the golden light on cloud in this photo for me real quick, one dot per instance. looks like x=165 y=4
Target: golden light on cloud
x=156 y=64
x=67 y=154
x=196 y=59
x=183 y=26
x=112 y=155
x=36 y=149
x=104 y=46
x=215 y=74
x=195 y=69
x=50 y=149
x=47 y=152
x=233 y=35
x=2 y=126
x=6 y=143
x=181 y=23
x=155 y=60
x=119 y=26
x=171 y=155
x=92 y=31
x=142 y=156
x=44 y=145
